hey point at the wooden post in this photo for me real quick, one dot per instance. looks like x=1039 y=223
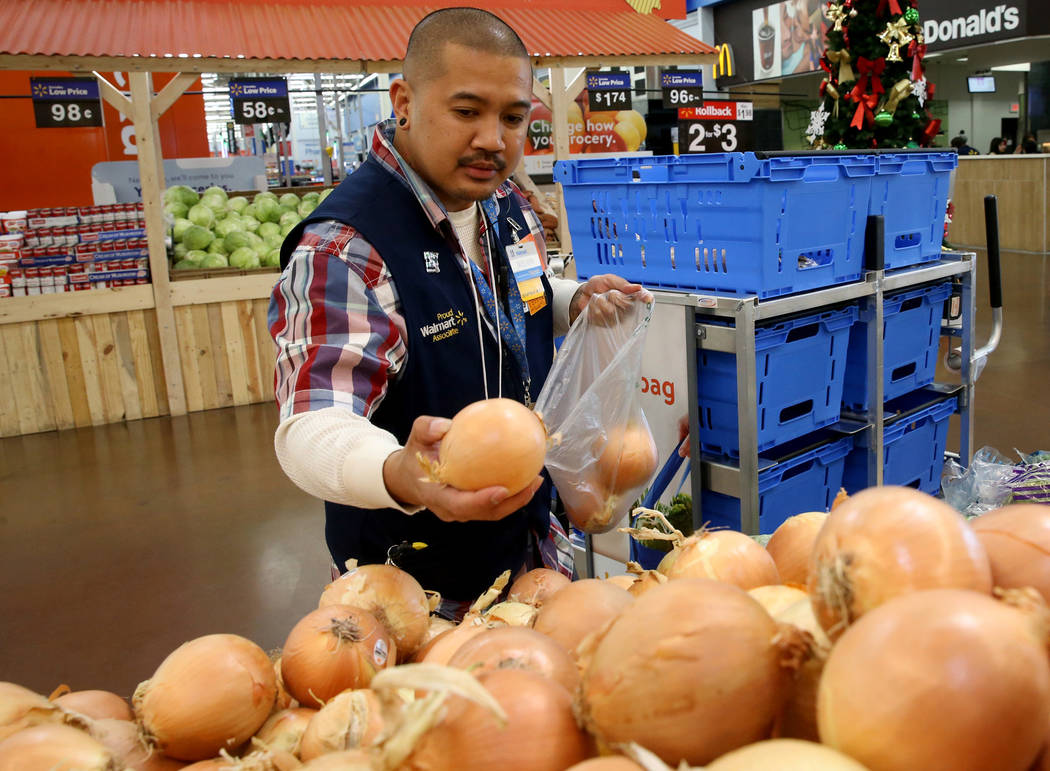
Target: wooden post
x=152 y=180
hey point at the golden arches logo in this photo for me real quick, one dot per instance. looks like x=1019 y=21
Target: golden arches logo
x=724 y=67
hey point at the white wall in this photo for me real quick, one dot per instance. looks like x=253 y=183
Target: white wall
x=978 y=114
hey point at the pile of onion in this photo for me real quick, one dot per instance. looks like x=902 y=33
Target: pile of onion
x=537 y=586
x=722 y=555
x=624 y=580
x=352 y=720
x=55 y=746
x=97 y=705
x=628 y=457
x=259 y=760
x=349 y=760
x=209 y=694
x=444 y=646
x=608 y=763
x=332 y=649
x=284 y=729
x=392 y=596
x=1017 y=540
x=123 y=739
x=939 y=679
x=791 y=546
x=776 y=597
x=785 y=755
x=530 y=727
x=581 y=608
x=493 y=442
x=512 y=647
x=691 y=670
x=887 y=541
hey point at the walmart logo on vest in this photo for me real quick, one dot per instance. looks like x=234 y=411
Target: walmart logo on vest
x=446 y=325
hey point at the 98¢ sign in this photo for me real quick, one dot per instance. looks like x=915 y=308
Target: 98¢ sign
x=66 y=102
x=717 y=127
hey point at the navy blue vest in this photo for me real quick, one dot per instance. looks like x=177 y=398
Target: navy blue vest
x=442 y=374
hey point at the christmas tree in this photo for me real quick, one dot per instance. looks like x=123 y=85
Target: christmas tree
x=874 y=92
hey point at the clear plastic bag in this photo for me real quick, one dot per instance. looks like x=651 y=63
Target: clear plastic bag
x=992 y=480
x=601 y=453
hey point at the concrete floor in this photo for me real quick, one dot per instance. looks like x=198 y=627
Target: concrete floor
x=119 y=543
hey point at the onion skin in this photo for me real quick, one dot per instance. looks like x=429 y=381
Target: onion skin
x=209 y=694
x=511 y=614
x=798 y=719
x=777 y=597
x=580 y=609
x=1017 y=540
x=444 y=646
x=263 y=760
x=392 y=596
x=333 y=649
x=537 y=586
x=493 y=442
x=284 y=730
x=690 y=671
x=351 y=720
x=436 y=627
x=124 y=740
x=517 y=648
x=722 y=555
x=97 y=705
x=785 y=755
x=540 y=735
x=956 y=680
x=350 y=760
x=54 y=747
x=628 y=459
x=646 y=580
x=791 y=546
x=284 y=699
x=608 y=763
x=622 y=581
x=21 y=708
x=887 y=541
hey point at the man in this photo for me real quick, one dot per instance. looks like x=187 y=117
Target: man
x=417 y=288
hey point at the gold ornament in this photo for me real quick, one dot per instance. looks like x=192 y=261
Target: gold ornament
x=896 y=30
x=845 y=68
x=895 y=53
x=901 y=89
x=833 y=92
x=837 y=14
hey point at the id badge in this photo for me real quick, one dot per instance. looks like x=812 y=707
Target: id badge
x=524 y=260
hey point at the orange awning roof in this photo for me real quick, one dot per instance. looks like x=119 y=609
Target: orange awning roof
x=237 y=34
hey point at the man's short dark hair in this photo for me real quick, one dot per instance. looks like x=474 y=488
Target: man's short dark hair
x=468 y=27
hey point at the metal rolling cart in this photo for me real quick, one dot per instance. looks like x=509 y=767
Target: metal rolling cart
x=741 y=480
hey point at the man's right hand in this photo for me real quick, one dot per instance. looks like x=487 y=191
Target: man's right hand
x=406 y=481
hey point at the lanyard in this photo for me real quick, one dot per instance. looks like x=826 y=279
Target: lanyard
x=511 y=331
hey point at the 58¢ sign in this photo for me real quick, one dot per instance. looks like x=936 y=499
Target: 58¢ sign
x=260 y=100
x=717 y=127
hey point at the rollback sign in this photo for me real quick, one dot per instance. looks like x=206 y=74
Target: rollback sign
x=717 y=127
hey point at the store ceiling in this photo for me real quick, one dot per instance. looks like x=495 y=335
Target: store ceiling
x=332 y=31
x=983 y=57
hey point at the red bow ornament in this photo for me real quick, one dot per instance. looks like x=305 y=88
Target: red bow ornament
x=870 y=72
x=865 y=113
x=916 y=51
x=895 y=7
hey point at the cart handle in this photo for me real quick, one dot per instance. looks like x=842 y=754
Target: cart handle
x=663 y=479
x=995 y=289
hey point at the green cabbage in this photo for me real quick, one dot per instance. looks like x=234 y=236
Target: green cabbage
x=268 y=228
x=216 y=190
x=290 y=217
x=201 y=215
x=306 y=207
x=237 y=204
x=243 y=258
x=186 y=265
x=181 y=226
x=267 y=210
x=250 y=223
x=181 y=194
x=236 y=240
x=215 y=261
x=176 y=209
x=196 y=255
x=291 y=200
x=197 y=237
x=218 y=246
x=215 y=202
x=272 y=259
x=229 y=225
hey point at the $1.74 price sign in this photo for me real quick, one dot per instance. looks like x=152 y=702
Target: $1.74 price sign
x=608 y=90
x=260 y=100
x=717 y=127
x=66 y=102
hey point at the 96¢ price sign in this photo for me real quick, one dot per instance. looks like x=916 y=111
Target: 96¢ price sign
x=682 y=88
x=65 y=102
x=717 y=127
x=260 y=100
x=608 y=90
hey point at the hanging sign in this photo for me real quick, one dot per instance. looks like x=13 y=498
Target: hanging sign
x=717 y=127
x=260 y=100
x=608 y=90
x=682 y=88
x=66 y=102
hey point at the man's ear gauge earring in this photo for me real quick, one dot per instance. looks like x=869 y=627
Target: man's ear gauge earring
x=403 y=122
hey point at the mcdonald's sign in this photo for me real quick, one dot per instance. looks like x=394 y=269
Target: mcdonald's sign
x=724 y=66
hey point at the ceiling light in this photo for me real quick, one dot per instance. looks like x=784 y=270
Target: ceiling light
x=1022 y=67
x=963 y=59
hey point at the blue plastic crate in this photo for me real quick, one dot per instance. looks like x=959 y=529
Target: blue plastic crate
x=727 y=223
x=910 y=190
x=808 y=481
x=911 y=333
x=800 y=365
x=913 y=450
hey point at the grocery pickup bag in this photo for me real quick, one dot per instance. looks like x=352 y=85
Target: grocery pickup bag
x=600 y=453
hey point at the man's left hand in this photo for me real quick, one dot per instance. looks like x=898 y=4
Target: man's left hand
x=598 y=285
